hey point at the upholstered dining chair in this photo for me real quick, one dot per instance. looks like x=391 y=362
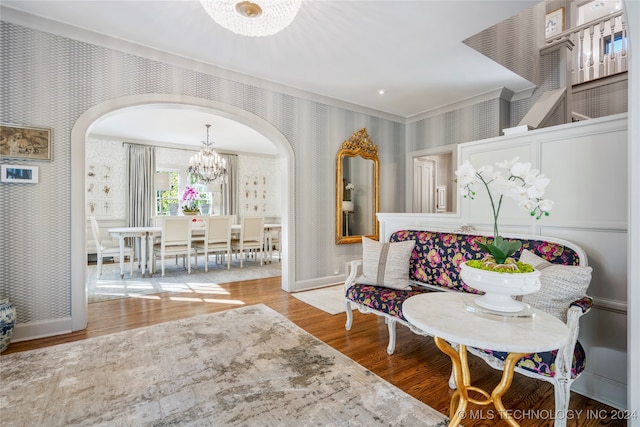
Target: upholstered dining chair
x=175 y=239
x=251 y=237
x=274 y=241
x=105 y=249
x=217 y=239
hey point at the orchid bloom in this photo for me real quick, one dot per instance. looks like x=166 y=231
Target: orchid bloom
x=509 y=178
x=190 y=198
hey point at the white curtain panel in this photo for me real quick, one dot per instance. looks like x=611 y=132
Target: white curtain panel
x=141 y=162
x=230 y=205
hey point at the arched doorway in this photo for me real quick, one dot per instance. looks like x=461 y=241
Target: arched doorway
x=78 y=205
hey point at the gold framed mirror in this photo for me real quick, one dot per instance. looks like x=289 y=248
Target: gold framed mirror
x=357 y=189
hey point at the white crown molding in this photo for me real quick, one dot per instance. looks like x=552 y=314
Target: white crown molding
x=502 y=93
x=523 y=94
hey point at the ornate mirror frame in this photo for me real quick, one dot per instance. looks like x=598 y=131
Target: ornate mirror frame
x=359 y=145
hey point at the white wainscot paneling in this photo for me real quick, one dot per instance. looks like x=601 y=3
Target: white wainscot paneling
x=606 y=251
x=589 y=172
x=603 y=334
x=603 y=331
x=478 y=210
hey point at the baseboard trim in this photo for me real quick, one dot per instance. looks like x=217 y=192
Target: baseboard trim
x=305 y=285
x=602 y=389
x=41 y=329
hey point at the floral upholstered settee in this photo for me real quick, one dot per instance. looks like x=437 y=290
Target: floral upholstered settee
x=434 y=265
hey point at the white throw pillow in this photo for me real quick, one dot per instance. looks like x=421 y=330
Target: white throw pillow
x=560 y=285
x=386 y=264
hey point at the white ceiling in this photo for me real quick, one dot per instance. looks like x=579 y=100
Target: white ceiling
x=346 y=50
x=170 y=124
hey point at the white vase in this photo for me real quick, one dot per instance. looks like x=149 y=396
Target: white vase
x=499 y=288
x=347 y=206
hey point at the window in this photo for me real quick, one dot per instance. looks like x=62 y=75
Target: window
x=164 y=198
x=615 y=46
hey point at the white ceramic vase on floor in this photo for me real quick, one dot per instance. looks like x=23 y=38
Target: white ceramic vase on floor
x=7 y=322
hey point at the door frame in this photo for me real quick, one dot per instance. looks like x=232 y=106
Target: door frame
x=79 y=301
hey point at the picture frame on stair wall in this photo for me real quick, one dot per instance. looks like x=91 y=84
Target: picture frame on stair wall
x=554 y=22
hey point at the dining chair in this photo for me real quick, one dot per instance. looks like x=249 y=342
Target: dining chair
x=217 y=239
x=274 y=241
x=175 y=239
x=251 y=237
x=106 y=249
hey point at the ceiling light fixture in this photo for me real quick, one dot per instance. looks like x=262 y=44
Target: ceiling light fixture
x=207 y=165
x=252 y=18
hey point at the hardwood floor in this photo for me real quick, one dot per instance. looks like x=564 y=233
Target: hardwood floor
x=417 y=367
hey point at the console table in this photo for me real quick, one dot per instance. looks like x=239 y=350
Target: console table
x=445 y=316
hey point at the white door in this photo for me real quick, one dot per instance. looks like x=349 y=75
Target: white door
x=424 y=183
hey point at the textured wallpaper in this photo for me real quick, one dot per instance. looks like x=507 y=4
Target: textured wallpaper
x=49 y=81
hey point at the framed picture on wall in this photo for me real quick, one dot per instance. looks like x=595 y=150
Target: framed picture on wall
x=19 y=174
x=554 y=22
x=25 y=142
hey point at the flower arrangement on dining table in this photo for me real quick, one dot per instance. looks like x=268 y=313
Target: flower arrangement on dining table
x=515 y=180
x=189 y=199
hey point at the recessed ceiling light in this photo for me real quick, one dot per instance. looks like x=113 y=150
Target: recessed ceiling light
x=381 y=92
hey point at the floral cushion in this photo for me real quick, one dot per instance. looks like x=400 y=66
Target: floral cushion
x=544 y=363
x=437 y=256
x=382 y=299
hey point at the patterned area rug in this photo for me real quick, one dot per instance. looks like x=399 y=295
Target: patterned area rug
x=244 y=367
x=111 y=286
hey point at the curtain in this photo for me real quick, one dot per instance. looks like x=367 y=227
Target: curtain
x=230 y=205
x=141 y=163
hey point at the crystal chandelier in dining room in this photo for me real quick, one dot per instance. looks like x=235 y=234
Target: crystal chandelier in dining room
x=255 y=18
x=207 y=165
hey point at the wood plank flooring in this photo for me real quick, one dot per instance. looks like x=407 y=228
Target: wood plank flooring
x=417 y=367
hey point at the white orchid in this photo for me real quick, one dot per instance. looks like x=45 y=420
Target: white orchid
x=466 y=175
x=521 y=170
x=510 y=178
x=545 y=205
x=507 y=164
x=528 y=204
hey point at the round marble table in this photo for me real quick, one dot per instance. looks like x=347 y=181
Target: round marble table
x=445 y=316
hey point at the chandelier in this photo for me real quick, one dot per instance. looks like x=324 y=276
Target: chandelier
x=252 y=18
x=207 y=165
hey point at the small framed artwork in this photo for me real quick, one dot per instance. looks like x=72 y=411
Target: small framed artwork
x=554 y=22
x=25 y=142
x=19 y=174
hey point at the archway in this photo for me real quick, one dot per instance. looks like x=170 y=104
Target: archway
x=78 y=215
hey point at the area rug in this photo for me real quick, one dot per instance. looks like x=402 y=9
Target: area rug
x=329 y=299
x=111 y=286
x=244 y=367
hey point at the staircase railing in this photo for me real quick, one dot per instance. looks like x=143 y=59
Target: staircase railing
x=600 y=48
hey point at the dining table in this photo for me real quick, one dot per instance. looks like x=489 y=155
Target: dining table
x=145 y=236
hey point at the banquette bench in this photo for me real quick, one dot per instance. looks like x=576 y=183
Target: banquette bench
x=432 y=263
